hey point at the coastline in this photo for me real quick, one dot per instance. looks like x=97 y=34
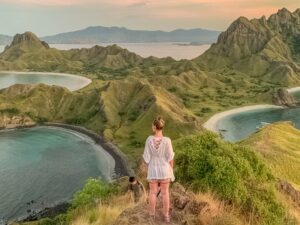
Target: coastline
x=212 y=122
x=86 y=81
x=294 y=89
x=122 y=167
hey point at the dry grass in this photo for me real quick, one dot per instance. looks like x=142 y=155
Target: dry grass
x=218 y=212
x=104 y=213
x=279 y=144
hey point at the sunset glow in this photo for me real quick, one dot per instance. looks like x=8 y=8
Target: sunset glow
x=134 y=14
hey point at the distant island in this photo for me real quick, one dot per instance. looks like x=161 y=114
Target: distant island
x=100 y=34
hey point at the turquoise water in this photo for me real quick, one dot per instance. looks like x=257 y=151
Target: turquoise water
x=46 y=165
x=239 y=126
x=71 y=82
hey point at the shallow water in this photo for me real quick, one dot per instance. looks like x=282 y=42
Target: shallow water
x=241 y=125
x=71 y=82
x=46 y=165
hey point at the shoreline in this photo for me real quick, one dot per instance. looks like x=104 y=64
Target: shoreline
x=86 y=81
x=212 y=123
x=122 y=167
x=294 y=89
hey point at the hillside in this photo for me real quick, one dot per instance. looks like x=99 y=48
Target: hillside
x=278 y=143
x=220 y=183
x=265 y=49
x=99 y=34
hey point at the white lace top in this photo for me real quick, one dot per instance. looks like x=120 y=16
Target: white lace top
x=157 y=154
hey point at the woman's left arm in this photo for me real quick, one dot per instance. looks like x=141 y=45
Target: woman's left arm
x=172 y=163
x=170 y=153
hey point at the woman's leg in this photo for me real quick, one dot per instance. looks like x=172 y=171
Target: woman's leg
x=164 y=186
x=152 y=196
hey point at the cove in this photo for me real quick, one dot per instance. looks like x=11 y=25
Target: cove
x=72 y=82
x=238 y=124
x=43 y=166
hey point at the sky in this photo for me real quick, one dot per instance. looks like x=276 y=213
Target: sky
x=47 y=17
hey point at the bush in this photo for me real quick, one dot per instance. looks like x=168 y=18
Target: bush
x=93 y=190
x=234 y=172
x=10 y=111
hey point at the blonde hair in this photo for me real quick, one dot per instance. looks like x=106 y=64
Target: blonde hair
x=159 y=123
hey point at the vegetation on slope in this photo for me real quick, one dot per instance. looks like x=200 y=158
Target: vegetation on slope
x=234 y=172
x=278 y=143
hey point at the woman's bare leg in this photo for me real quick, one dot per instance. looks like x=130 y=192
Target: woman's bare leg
x=152 y=196
x=164 y=185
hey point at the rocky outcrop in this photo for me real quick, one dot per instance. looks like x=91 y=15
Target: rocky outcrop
x=288 y=189
x=265 y=48
x=28 y=38
x=282 y=97
x=185 y=209
x=9 y=122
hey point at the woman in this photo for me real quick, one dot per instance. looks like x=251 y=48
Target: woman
x=158 y=155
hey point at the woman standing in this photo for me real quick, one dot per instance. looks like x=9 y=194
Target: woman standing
x=158 y=155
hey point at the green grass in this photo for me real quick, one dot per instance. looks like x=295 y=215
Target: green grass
x=233 y=171
x=279 y=143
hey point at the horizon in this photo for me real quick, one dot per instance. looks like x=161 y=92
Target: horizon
x=42 y=17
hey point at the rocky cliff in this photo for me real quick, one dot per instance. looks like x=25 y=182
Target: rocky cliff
x=264 y=48
x=282 y=97
x=10 y=122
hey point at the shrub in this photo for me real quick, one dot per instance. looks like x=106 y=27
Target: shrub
x=93 y=190
x=10 y=111
x=234 y=172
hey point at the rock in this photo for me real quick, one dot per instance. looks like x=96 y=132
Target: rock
x=288 y=189
x=11 y=122
x=195 y=207
x=180 y=201
x=283 y=97
x=185 y=209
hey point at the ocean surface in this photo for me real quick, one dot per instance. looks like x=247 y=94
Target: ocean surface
x=46 y=166
x=239 y=126
x=175 y=50
x=70 y=82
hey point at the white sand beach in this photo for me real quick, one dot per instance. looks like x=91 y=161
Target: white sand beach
x=211 y=123
x=85 y=81
x=294 y=89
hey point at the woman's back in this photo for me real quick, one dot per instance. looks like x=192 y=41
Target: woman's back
x=157 y=154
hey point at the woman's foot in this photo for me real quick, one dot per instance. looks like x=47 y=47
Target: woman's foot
x=167 y=219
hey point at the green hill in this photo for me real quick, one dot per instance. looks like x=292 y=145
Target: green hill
x=278 y=143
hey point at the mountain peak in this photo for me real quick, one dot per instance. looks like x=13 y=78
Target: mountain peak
x=27 y=38
x=297 y=12
x=283 y=10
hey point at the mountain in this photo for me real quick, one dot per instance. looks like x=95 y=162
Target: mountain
x=264 y=48
x=5 y=39
x=27 y=52
x=101 y=34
